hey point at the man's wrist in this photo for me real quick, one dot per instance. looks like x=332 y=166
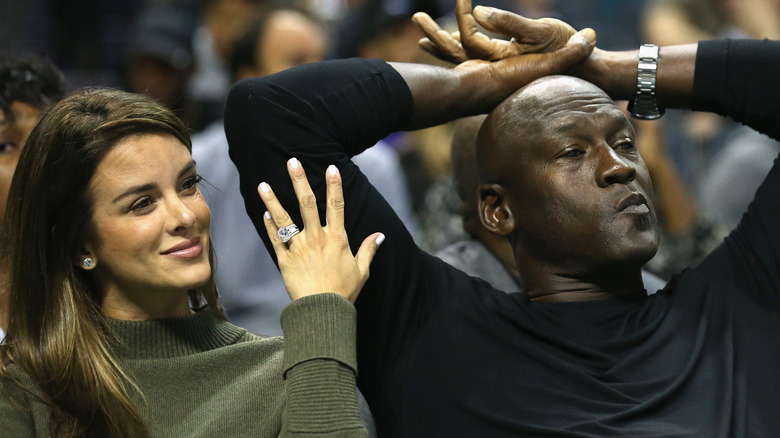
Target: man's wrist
x=613 y=72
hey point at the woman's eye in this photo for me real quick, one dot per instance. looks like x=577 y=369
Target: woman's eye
x=191 y=182
x=142 y=204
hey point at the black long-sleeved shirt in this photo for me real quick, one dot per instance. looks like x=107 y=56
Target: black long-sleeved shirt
x=441 y=354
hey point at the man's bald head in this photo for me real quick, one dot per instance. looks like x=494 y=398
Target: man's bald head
x=560 y=176
x=519 y=121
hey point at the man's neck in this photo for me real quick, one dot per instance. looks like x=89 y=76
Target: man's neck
x=557 y=287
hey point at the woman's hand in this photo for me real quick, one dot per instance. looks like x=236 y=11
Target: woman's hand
x=318 y=259
x=527 y=36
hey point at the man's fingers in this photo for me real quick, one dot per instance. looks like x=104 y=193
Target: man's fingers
x=578 y=49
x=504 y=22
x=466 y=23
x=437 y=41
x=476 y=44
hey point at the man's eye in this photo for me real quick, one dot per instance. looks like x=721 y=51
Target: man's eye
x=572 y=153
x=624 y=146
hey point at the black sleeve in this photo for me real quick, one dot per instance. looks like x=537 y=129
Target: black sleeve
x=322 y=114
x=738 y=78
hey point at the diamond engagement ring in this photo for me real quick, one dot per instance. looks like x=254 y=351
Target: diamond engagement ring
x=287 y=233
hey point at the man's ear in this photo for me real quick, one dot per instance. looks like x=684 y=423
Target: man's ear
x=494 y=212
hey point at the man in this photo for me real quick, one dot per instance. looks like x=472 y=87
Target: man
x=27 y=86
x=583 y=351
x=486 y=255
x=252 y=289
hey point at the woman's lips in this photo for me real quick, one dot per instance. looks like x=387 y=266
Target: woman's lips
x=189 y=249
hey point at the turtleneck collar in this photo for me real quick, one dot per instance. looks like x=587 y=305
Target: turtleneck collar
x=173 y=337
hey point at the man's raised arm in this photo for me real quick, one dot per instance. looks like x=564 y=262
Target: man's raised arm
x=477 y=86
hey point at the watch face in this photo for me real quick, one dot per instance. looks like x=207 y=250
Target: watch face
x=648 y=51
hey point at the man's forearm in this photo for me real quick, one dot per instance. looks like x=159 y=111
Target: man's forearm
x=476 y=87
x=442 y=94
x=616 y=73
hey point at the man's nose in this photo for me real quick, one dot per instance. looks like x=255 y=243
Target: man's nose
x=614 y=168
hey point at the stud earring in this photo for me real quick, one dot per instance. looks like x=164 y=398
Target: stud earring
x=87 y=262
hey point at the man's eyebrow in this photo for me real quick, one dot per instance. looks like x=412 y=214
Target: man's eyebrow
x=566 y=127
x=145 y=187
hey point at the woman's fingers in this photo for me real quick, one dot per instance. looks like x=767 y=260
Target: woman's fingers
x=306 y=200
x=321 y=260
x=334 y=213
x=366 y=253
x=276 y=216
x=272 y=230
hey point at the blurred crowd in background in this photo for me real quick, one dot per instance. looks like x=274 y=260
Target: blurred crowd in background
x=187 y=53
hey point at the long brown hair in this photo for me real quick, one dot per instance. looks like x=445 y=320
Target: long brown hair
x=57 y=333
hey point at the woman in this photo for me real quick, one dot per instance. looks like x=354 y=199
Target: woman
x=115 y=327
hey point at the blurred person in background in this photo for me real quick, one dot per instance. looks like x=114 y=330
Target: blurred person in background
x=221 y=23
x=28 y=85
x=159 y=61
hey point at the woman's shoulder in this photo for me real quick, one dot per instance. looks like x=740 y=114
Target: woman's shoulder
x=18 y=396
x=15 y=381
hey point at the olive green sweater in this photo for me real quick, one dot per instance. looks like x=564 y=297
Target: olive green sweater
x=203 y=377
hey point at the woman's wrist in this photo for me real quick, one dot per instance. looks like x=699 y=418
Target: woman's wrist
x=321 y=326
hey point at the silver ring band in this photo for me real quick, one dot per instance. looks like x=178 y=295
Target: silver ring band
x=287 y=233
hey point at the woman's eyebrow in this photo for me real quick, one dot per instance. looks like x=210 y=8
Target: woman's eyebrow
x=134 y=190
x=144 y=187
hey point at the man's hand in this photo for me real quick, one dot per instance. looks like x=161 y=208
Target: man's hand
x=527 y=35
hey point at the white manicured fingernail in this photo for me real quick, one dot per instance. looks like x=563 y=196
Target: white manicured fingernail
x=267 y=215
x=332 y=170
x=379 y=239
x=294 y=163
x=265 y=188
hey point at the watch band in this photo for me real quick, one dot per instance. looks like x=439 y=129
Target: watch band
x=645 y=105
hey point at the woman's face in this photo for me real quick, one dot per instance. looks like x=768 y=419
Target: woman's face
x=151 y=228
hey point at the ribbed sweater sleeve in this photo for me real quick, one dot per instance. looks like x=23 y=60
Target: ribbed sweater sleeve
x=16 y=416
x=320 y=368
